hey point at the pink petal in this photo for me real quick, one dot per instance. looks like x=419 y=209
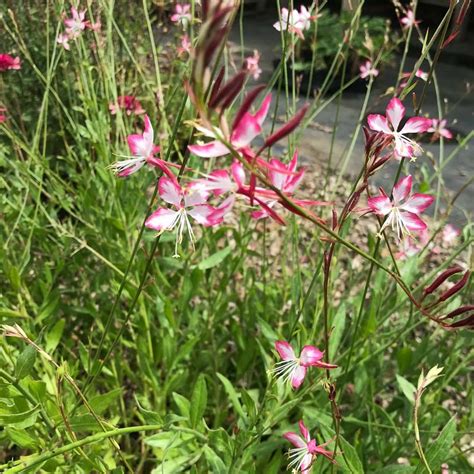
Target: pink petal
x=148 y=133
x=395 y=112
x=195 y=194
x=238 y=173
x=294 y=439
x=416 y=125
x=263 y=110
x=446 y=133
x=247 y=129
x=209 y=150
x=202 y=214
x=170 y=191
x=418 y=203
x=378 y=123
x=304 y=431
x=224 y=208
x=412 y=221
x=306 y=463
x=381 y=205
x=285 y=350
x=298 y=376
x=161 y=219
x=310 y=355
x=139 y=146
x=402 y=189
x=220 y=182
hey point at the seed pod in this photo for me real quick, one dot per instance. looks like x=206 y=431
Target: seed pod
x=287 y=128
x=456 y=287
x=441 y=279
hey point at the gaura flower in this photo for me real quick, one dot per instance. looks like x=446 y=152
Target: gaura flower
x=408 y=20
x=305 y=450
x=129 y=103
x=402 y=212
x=404 y=147
x=190 y=201
x=63 y=40
x=233 y=181
x=367 y=70
x=242 y=134
x=185 y=45
x=9 y=62
x=295 y=21
x=286 y=178
x=143 y=150
x=420 y=74
x=3 y=117
x=450 y=234
x=182 y=14
x=252 y=66
x=292 y=368
x=438 y=128
x=76 y=24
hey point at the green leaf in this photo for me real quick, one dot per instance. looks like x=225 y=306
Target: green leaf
x=198 y=401
x=214 y=259
x=28 y=417
x=407 y=388
x=215 y=462
x=350 y=462
x=100 y=403
x=21 y=438
x=234 y=397
x=438 y=451
x=338 y=323
x=54 y=336
x=150 y=417
x=25 y=362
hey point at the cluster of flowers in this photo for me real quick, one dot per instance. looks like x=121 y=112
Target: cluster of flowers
x=75 y=25
x=295 y=21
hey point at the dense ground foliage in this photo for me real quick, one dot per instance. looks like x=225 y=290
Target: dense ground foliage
x=180 y=295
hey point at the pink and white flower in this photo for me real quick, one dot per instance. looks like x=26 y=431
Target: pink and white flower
x=242 y=134
x=143 y=150
x=404 y=147
x=252 y=65
x=190 y=201
x=63 y=40
x=305 y=450
x=295 y=21
x=408 y=20
x=8 y=62
x=3 y=117
x=76 y=24
x=293 y=369
x=286 y=178
x=305 y=18
x=129 y=103
x=438 y=128
x=185 y=46
x=450 y=235
x=402 y=212
x=182 y=14
x=420 y=74
x=367 y=70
